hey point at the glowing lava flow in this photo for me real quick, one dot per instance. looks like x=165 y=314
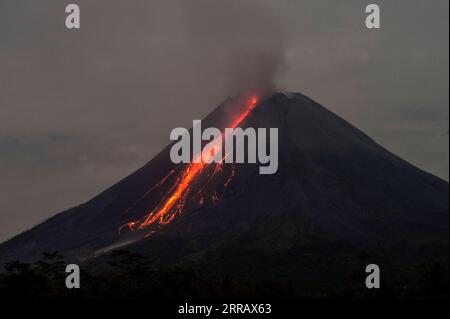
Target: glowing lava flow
x=174 y=201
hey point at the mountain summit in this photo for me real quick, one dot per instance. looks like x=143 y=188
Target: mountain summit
x=336 y=194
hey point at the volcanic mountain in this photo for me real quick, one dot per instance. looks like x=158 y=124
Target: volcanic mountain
x=337 y=195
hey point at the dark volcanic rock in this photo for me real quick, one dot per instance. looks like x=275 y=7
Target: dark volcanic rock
x=336 y=194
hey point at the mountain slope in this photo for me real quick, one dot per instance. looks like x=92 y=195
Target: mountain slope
x=336 y=193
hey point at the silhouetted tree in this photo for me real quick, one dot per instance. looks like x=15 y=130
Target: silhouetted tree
x=432 y=279
x=125 y=262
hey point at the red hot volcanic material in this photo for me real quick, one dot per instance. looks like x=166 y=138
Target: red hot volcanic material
x=174 y=200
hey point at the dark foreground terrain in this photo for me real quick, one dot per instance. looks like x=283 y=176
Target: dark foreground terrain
x=338 y=202
x=132 y=276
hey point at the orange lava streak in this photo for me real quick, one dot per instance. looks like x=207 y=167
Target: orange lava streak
x=174 y=203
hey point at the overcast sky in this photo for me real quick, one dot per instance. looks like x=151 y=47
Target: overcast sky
x=80 y=110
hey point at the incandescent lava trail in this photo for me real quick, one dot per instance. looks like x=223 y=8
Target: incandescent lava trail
x=173 y=202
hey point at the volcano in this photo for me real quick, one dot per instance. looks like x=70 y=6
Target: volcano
x=337 y=195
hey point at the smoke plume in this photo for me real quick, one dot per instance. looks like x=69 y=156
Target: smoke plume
x=244 y=41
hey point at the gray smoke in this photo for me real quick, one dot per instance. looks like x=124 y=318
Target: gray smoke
x=242 y=40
